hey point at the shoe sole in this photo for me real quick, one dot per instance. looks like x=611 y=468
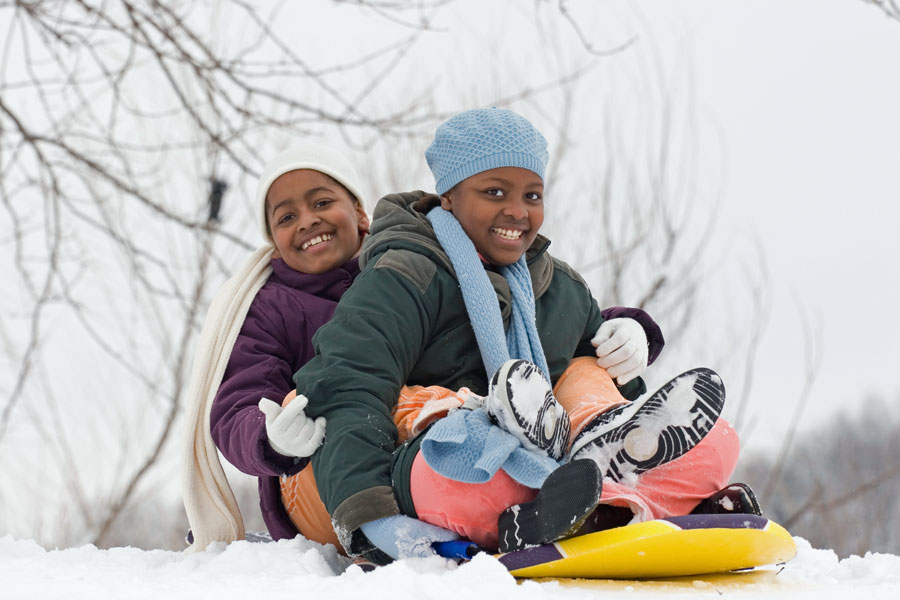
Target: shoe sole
x=568 y=496
x=531 y=433
x=647 y=433
x=735 y=498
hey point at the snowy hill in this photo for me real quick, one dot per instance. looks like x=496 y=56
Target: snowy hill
x=302 y=570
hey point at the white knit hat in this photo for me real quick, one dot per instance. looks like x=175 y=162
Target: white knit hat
x=307 y=155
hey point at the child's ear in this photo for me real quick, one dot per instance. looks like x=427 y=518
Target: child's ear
x=447 y=202
x=363 y=218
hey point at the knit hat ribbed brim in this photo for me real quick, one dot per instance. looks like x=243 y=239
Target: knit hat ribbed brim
x=483 y=139
x=308 y=155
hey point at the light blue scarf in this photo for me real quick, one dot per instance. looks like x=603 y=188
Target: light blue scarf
x=521 y=340
x=464 y=445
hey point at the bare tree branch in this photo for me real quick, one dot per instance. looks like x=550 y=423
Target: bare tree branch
x=562 y=6
x=891 y=8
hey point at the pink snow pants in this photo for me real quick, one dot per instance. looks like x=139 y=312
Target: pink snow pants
x=585 y=390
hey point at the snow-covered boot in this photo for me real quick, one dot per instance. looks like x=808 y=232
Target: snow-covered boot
x=567 y=497
x=650 y=431
x=734 y=498
x=521 y=402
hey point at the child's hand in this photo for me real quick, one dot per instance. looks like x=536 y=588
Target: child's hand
x=290 y=431
x=621 y=349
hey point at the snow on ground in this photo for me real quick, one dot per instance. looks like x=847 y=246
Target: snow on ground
x=302 y=570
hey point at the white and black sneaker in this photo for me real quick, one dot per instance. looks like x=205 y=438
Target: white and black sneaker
x=521 y=402
x=654 y=430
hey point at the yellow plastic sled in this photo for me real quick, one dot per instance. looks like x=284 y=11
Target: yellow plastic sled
x=671 y=547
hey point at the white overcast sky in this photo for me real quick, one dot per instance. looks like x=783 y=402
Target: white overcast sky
x=807 y=97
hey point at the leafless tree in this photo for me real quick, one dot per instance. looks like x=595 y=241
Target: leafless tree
x=115 y=117
x=130 y=135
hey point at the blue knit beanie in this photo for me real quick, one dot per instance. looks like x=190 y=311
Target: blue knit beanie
x=482 y=139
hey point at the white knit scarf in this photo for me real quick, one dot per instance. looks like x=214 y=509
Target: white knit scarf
x=212 y=511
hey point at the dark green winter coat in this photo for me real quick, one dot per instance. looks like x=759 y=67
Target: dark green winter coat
x=403 y=321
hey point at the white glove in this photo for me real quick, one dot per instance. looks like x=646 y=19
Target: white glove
x=622 y=349
x=290 y=431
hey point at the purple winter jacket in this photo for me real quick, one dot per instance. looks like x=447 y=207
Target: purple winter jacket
x=274 y=342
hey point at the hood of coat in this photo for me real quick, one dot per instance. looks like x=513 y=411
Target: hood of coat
x=399 y=223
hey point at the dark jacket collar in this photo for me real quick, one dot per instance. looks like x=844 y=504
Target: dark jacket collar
x=330 y=284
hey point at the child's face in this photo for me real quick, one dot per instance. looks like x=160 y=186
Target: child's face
x=316 y=224
x=500 y=210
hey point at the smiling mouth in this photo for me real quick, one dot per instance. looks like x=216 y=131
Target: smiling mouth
x=508 y=234
x=321 y=239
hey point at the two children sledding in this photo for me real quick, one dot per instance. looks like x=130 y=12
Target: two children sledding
x=466 y=385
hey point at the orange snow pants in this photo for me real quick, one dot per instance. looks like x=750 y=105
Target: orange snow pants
x=300 y=497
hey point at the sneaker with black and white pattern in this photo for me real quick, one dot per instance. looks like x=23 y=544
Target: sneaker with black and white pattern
x=656 y=429
x=521 y=402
